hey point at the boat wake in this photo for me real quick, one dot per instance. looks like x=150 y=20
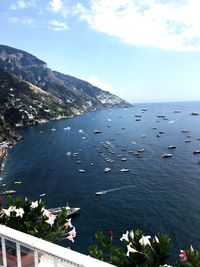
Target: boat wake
x=114 y=189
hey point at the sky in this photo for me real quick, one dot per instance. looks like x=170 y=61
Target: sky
x=140 y=50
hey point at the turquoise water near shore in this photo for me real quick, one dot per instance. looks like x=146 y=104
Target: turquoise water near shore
x=157 y=194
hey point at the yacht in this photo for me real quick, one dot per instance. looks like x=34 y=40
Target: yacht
x=166 y=155
x=124 y=170
x=70 y=211
x=107 y=169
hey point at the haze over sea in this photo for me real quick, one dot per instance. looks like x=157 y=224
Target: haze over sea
x=161 y=195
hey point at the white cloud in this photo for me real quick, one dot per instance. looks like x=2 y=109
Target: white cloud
x=171 y=25
x=22 y=4
x=56 y=5
x=58 y=25
x=26 y=21
x=96 y=82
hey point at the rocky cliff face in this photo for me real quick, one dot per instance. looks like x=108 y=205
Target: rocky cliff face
x=31 y=92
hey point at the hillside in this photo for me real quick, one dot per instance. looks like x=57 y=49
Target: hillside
x=32 y=93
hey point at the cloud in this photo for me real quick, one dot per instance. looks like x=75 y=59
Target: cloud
x=22 y=4
x=96 y=82
x=58 y=25
x=26 y=21
x=165 y=24
x=56 y=5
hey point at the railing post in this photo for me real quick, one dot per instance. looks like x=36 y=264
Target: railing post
x=19 y=260
x=3 y=244
x=36 y=258
x=55 y=262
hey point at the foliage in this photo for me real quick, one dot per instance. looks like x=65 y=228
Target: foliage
x=138 y=250
x=32 y=218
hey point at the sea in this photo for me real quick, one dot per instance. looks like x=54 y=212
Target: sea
x=156 y=195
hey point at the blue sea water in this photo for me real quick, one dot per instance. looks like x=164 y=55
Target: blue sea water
x=160 y=195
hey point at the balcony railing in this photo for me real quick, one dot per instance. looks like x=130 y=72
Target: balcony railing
x=18 y=249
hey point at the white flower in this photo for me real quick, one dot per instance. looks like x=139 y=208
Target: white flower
x=51 y=219
x=45 y=213
x=156 y=239
x=8 y=211
x=130 y=249
x=72 y=234
x=34 y=205
x=19 y=212
x=68 y=223
x=144 y=240
x=125 y=237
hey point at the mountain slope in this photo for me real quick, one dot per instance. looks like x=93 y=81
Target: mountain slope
x=78 y=96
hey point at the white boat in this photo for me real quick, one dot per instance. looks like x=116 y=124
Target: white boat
x=101 y=193
x=194 y=113
x=196 y=151
x=172 y=147
x=97 y=131
x=123 y=159
x=141 y=150
x=81 y=170
x=70 y=211
x=166 y=155
x=124 y=170
x=107 y=169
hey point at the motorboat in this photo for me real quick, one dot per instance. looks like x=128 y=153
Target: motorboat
x=166 y=155
x=196 y=151
x=172 y=147
x=124 y=170
x=81 y=170
x=70 y=211
x=97 y=131
x=100 y=193
x=107 y=169
x=194 y=113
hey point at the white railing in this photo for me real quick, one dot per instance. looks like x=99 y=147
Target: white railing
x=22 y=250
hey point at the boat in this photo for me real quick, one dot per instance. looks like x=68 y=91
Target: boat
x=100 y=193
x=194 y=113
x=81 y=170
x=141 y=150
x=161 y=132
x=97 y=131
x=138 y=115
x=177 y=111
x=172 y=147
x=187 y=140
x=196 y=151
x=123 y=159
x=107 y=169
x=43 y=194
x=70 y=211
x=8 y=192
x=166 y=155
x=124 y=170
x=185 y=131
x=161 y=116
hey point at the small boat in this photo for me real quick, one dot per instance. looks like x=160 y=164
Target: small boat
x=101 y=193
x=17 y=182
x=187 y=140
x=97 y=131
x=137 y=119
x=194 y=113
x=185 y=131
x=144 y=109
x=161 y=116
x=124 y=170
x=166 y=155
x=177 y=111
x=141 y=150
x=107 y=169
x=123 y=159
x=138 y=115
x=158 y=135
x=196 y=151
x=81 y=170
x=161 y=132
x=135 y=153
x=70 y=211
x=8 y=192
x=172 y=147
x=53 y=129
x=143 y=136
